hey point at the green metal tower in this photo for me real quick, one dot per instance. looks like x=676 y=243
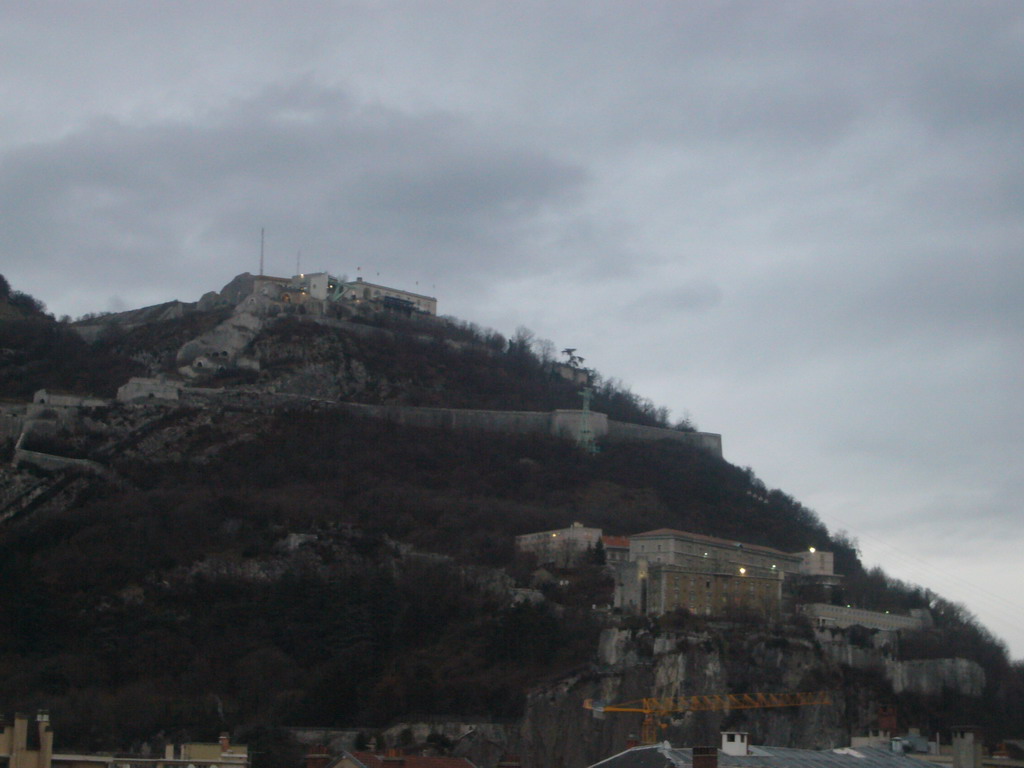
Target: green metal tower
x=586 y=439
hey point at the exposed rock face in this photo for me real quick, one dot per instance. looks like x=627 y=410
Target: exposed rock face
x=929 y=677
x=209 y=301
x=557 y=729
x=221 y=346
x=91 y=330
x=239 y=287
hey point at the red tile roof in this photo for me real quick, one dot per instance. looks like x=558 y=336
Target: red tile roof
x=615 y=541
x=711 y=540
x=371 y=760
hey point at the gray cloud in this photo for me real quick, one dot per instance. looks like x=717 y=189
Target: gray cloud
x=431 y=194
x=692 y=296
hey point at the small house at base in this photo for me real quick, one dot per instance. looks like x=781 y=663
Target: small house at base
x=18 y=750
x=397 y=760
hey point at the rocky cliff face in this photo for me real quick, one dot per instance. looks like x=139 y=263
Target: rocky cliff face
x=633 y=664
x=557 y=730
x=925 y=677
x=930 y=677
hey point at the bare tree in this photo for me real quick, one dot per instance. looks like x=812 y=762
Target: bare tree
x=571 y=358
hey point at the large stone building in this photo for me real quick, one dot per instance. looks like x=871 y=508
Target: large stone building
x=358 y=291
x=670 y=569
x=316 y=288
x=616 y=549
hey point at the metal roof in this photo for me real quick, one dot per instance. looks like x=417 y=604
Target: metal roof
x=664 y=756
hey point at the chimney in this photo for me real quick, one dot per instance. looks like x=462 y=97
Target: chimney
x=734 y=743
x=45 y=739
x=20 y=742
x=705 y=757
x=318 y=757
x=225 y=742
x=967 y=747
x=887 y=720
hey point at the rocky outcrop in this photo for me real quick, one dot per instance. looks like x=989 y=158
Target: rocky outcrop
x=93 y=328
x=926 y=677
x=930 y=677
x=557 y=729
x=239 y=288
x=220 y=348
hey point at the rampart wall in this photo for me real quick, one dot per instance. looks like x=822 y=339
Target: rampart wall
x=709 y=441
x=52 y=462
x=562 y=423
x=841 y=616
x=457 y=418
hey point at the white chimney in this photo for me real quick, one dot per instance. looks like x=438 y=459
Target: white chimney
x=734 y=743
x=967 y=746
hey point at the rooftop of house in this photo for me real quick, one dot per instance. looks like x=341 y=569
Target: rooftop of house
x=615 y=541
x=374 y=760
x=665 y=756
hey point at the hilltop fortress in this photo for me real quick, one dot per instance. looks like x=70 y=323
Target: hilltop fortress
x=316 y=290
x=252 y=304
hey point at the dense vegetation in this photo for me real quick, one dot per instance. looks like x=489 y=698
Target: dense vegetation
x=445 y=363
x=37 y=352
x=307 y=567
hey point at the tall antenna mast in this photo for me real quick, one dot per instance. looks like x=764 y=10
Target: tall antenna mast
x=261 y=251
x=298 y=263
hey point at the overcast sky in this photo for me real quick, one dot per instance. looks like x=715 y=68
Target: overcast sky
x=800 y=223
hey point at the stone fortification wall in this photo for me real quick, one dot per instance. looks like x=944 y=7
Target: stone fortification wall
x=451 y=418
x=58 y=400
x=52 y=462
x=139 y=388
x=562 y=423
x=841 y=616
x=570 y=424
x=709 y=441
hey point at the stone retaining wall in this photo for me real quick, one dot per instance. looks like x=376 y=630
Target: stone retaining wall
x=562 y=423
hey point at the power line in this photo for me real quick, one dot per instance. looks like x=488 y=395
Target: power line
x=982 y=595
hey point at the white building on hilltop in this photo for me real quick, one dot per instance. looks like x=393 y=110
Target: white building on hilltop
x=358 y=291
x=323 y=287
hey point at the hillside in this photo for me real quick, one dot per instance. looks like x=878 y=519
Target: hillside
x=258 y=557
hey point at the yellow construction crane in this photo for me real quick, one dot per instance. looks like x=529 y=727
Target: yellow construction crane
x=655 y=710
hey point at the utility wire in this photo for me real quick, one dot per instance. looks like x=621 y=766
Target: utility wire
x=940 y=574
